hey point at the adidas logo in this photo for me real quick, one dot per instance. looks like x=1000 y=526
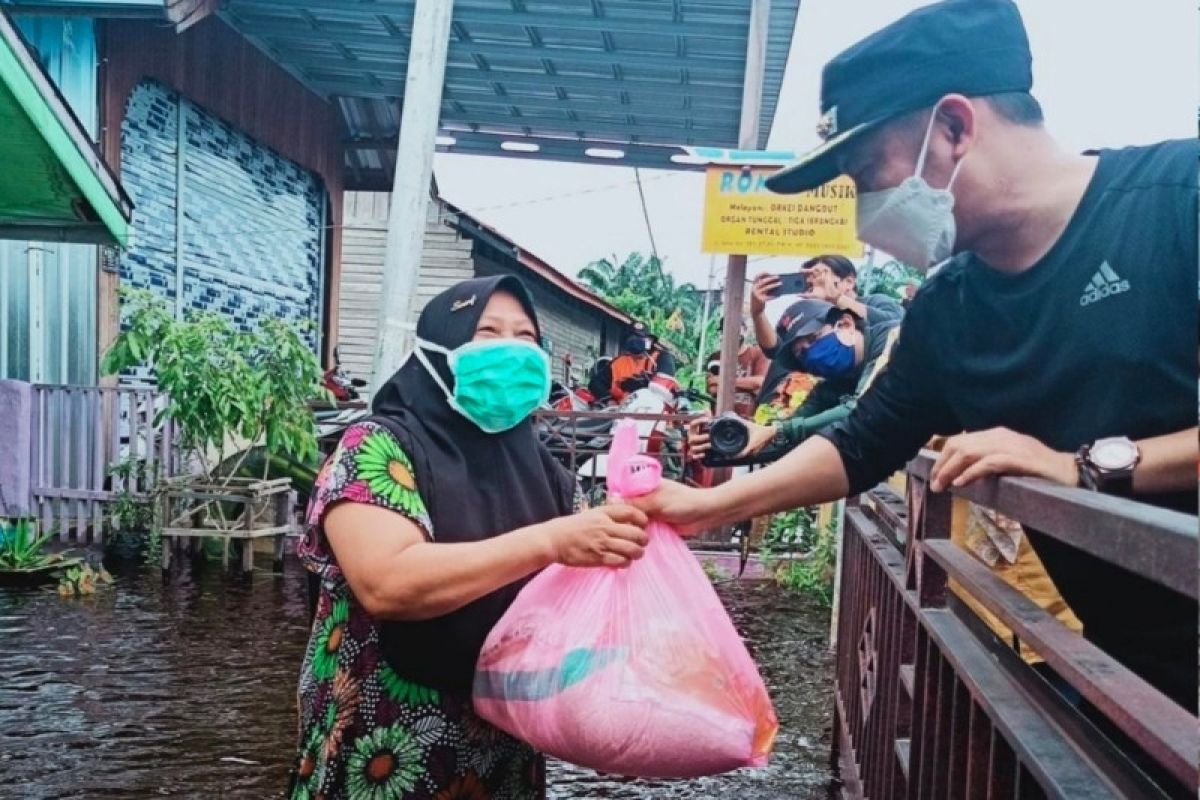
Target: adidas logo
x=1105 y=283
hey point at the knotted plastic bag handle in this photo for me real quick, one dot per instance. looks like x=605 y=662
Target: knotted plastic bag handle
x=630 y=474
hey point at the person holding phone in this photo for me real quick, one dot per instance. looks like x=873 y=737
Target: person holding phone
x=831 y=278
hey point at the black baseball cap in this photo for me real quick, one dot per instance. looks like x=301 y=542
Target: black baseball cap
x=804 y=318
x=970 y=47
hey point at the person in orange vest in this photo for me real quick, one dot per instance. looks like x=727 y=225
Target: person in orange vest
x=636 y=365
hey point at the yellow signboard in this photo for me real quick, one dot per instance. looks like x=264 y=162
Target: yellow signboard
x=743 y=217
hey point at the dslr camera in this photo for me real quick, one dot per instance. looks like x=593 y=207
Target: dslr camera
x=728 y=436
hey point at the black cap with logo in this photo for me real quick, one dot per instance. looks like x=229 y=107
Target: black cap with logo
x=804 y=318
x=970 y=47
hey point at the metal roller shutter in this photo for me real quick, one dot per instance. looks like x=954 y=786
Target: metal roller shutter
x=238 y=227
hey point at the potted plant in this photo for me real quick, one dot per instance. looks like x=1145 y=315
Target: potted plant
x=131 y=512
x=23 y=560
x=229 y=393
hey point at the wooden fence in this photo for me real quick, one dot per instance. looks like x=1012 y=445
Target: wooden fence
x=79 y=434
x=931 y=704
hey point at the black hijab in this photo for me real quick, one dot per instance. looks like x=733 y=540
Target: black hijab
x=475 y=485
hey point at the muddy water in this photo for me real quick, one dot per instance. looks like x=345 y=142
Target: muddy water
x=187 y=690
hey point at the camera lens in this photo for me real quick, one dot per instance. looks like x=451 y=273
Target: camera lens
x=728 y=435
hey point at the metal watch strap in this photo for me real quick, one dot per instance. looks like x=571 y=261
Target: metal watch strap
x=1088 y=477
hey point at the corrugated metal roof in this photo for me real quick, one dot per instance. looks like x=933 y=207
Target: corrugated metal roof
x=634 y=78
x=54 y=186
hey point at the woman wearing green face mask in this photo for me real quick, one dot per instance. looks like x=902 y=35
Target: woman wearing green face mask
x=423 y=526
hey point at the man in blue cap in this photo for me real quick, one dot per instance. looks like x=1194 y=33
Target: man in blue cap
x=1059 y=330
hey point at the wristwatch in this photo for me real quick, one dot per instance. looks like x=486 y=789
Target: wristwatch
x=1107 y=465
x=780 y=441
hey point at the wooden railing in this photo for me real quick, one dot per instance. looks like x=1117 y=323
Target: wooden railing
x=931 y=704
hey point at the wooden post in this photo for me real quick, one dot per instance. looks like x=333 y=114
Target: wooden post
x=247 y=555
x=839 y=530
x=735 y=273
x=411 y=182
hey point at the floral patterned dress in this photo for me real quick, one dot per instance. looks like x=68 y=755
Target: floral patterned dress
x=365 y=732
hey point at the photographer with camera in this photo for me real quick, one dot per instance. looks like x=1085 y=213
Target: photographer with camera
x=816 y=337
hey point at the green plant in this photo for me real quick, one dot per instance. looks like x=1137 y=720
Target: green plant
x=21 y=548
x=132 y=516
x=82 y=580
x=225 y=388
x=790 y=531
x=128 y=511
x=639 y=286
x=714 y=571
x=891 y=278
x=813 y=573
x=221 y=383
x=152 y=551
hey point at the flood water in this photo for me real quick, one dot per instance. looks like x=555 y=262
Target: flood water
x=187 y=689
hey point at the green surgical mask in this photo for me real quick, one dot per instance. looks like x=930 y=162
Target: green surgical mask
x=498 y=383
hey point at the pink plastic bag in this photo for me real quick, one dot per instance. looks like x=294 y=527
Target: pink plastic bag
x=637 y=671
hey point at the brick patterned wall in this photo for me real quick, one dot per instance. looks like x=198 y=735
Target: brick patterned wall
x=251 y=234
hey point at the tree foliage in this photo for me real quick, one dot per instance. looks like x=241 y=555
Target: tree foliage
x=222 y=384
x=891 y=278
x=643 y=289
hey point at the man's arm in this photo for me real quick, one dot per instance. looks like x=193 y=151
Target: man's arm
x=882 y=308
x=898 y=414
x=760 y=295
x=797 y=428
x=851 y=303
x=751 y=383
x=1168 y=462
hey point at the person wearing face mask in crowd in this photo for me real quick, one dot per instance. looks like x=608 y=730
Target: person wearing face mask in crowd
x=832 y=344
x=1041 y=334
x=423 y=526
x=832 y=278
x=635 y=366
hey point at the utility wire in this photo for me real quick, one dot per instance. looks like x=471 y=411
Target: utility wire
x=646 y=213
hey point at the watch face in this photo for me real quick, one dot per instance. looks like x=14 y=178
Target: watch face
x=1114 y=454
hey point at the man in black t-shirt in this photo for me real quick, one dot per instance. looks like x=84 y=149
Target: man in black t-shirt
x=1064 y=324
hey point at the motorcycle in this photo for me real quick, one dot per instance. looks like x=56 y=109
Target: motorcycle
x=580 y=443
x=347 y=408
x=343 y=387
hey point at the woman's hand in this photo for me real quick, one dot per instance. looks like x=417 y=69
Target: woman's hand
x=608 y=536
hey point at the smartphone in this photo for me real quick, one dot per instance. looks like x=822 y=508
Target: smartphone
x=791 y=283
